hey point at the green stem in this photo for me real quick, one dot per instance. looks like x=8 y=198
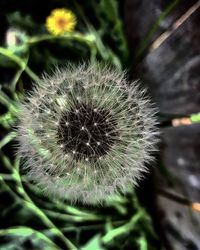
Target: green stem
x=70 y=36
x=43 y=216
x=15 y=80
x=121 y=230
x=7 y=120
x=73 y=218
x=19 y=61
x=195 y=118
x=9 y=103
x=28 y=202
x=142 y=242
x=8 y=138
x=26 y=231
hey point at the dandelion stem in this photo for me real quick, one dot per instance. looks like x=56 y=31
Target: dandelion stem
x=9 y=137
x=28 y=202
x=43 y=216
x=70 y=36
x=122 y=229
x=19 y=61
x=27 y=231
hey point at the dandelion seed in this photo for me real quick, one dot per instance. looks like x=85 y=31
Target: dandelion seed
x=99 y=145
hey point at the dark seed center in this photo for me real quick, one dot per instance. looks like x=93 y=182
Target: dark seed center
x=87 y=132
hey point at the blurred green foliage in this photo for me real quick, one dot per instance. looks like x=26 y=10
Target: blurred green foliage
x=29 y=220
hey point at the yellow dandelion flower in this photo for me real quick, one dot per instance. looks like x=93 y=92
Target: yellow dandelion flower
x=60 y=21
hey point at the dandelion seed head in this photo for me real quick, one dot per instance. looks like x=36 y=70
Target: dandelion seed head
x=90 y=142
